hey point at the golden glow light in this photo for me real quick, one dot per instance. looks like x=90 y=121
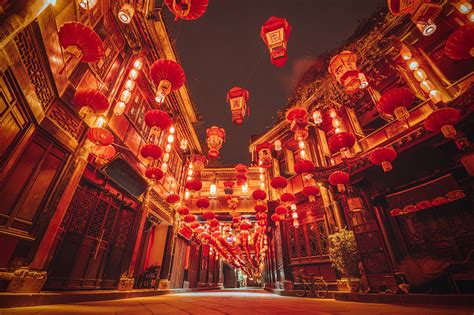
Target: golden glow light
x=277 y=145
x=138 y=63
x=435 y=96
x=183 y=145
x=119 y=108
x=419 y=74
x=317 y=117
x=168 y=148
x=126 y=13
x=170 y=138
x=87 y=4
x=245 y=188
x=213 y=190
x=413 y=64
x=463 y=7
x=332 y=113
x=164 y=167
x=130 y=85
x=126 y=96
x=100 y=122
x=133 y=74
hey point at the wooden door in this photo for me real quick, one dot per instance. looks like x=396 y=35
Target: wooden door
x=193 y=270
x=93 y=241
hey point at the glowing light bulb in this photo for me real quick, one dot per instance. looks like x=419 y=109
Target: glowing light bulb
x=464 y=7
x=332 y=113
x=130 y=85
x=277 y=145
x=126 y=96
x=138 y=63
x=419 y=74
x=126 y=13
x=119 y=108
x=183 y=145
x=245 y=188
x=317 y=117
x=100 y=122
x=164 y=167
x=133 y=74
x=166 y=157
x=301 y=144
x=187 y=194
x=413 y=64
x=172 y=130
x=213 y=190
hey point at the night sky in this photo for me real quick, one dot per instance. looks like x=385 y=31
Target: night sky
x=223 y=48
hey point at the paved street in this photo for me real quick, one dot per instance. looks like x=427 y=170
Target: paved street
x=230 y=302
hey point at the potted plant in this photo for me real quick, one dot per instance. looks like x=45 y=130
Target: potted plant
x=345 y=256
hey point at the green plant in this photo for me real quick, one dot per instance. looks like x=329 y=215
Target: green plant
x=344 y=253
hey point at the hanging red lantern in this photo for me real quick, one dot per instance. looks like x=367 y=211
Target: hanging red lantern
x=261 y=207
x=339 y=179
x=304 y=167
x=100 y=136
x=203 y=203
x=208 y=215
x=259 y=195
x=183 y=210
x=103 y=154
x=344 y=67
x=195 y=225
x=281 y=210
x=245 y=225
x=215 y=139
x=276 y=218
x=460 y=44
x=91 y=101
x=443 y=120
x=311 y=191
x=279 y=183
x=264 y=152
x=261 y=216
x=157 y=118
x=383 y=156
x=396 y=102
x=193 y=184
x=187 y=9
x=214 y=223
x=422 y=13
x=198 y=161
x=275 y=32
x=173 y=198
x=341 y=142
x=154 y=174
x=237 y=98
x=81 y=42
x=189 y=218
x=287 y=197
x=151 y=152
x=297 y=118
x=168 y=76
x=241 y=171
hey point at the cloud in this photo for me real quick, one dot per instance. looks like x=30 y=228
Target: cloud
x=292 y=76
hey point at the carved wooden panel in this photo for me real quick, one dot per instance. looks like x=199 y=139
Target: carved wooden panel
x=66 y=120
x=30 y=54
x=13 y=117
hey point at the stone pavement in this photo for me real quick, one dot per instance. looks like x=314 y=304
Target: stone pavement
x=231 y=302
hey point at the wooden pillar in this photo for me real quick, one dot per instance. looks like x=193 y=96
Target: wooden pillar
x=45 y=247
x=138 y=241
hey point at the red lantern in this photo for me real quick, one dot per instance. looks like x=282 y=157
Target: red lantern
x=281 y=210
x=261 y=216
x=245 y=225
x=339 y=179
x=460 y=45
x=237 y=98
x=344 y=67
x=395 y=102
x=100 y=136
x=190 y=218
x=443 y=120
x=81 y=42
x=168 y=76
x=154 y=174
x=311 y=191
x=287 y=197
x=193 y=185
x=264 y=151
x=228 y=187
x=172 y=198
x=383 y=156
x=90 y=101
x=208 y=215
x=275 y=33
x=259 y=195
x=187 y=9
x=297 y=118
x=215 y=139
x=103 y=153
x=276 y=218
x=241 y=171
x=260 y=207
x=198 y=161
x=304 y=167
x=183 y=210
x=214 y=223
x=156 y=118
x=203 y=203
x=423 y=12
x=151 y=152
x=279 y=183
x=195 y=225
x=341 y=142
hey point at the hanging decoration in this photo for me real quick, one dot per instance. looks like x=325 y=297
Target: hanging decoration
x=187 y=9
x=443 y=120
x=158 y=120
x=90 y=102
x=341 y=142
x=460 y=44
x=297 y=118
x=126 y=13
x=287 y=198
x=168 y=76
x=103 y=154
x=100 y=136
x=215 y=139
x=343 y=67
x=183 y=210
x=128 y=87
x=279 y=183
x=237 y=98
x=311 y=191
x=154 y=174
x=173 y=198
x=241 y=171
x=339 y=179
x=264 y=152
x=275 y=32
x=423 y=13
x=396 y=102
x=383 y=156
x=259 y=195
x=80 y=42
